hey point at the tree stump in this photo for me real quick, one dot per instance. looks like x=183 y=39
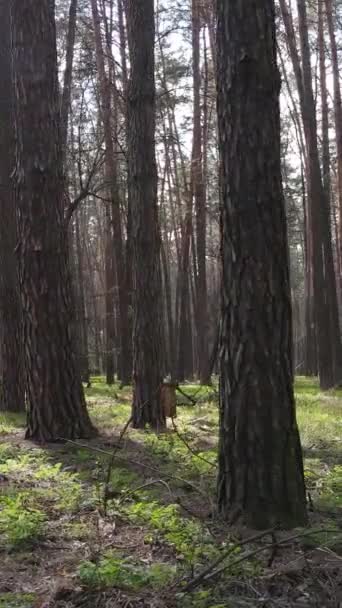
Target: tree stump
x=168 y=399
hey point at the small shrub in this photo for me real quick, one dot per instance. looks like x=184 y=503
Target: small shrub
x=20 y=524
x=113 y=570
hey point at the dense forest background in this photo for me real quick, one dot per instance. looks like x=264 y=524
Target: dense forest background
x=188 y=190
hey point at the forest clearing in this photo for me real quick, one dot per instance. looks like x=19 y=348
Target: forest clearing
x=63 y=544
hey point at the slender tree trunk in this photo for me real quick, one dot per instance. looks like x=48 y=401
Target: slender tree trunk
x=324 y=104
x=66 y=95
x=83 y=320
x=200 y=205
x=111 y=176
x=260 y=479
x=82 y=314
x=184 y=350
x=337 y=110
x=109 y=300
x=147 y=329
x=56 y=405
x=12 y=390
x=128 y=362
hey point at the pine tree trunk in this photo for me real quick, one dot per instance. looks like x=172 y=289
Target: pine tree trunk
x=82 y=313
x=324 y=104
x=147 y=326
x=127 y=360
x=260 y=479
x=56 y=404
x=12 y=389
x=109 y=299
x=200 y=205
x=69 y=60
x=337 y=110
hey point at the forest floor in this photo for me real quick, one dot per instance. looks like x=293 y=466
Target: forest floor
x=64 y=544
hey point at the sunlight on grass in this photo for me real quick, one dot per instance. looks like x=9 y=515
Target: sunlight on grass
x=10 y=422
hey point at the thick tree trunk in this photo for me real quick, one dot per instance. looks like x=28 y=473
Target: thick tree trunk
x=147 y=326
x=12 y=389
x=260 y=479
x=56 y=405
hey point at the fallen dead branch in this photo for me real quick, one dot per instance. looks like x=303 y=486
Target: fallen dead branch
x=140 y=464
x=211 y=572
x=182 y=438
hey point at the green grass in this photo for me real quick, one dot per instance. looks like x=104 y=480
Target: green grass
x=11 y=422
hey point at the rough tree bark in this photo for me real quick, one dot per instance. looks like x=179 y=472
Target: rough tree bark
x=55 y=399
x=147 y=324
x=260 y=480
x=12 y=390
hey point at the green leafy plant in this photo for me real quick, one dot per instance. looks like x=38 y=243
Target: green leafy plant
x=113 y=570
x=20 y=523
x=191 y=541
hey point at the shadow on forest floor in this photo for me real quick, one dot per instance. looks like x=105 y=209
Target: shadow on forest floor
x=63 y=546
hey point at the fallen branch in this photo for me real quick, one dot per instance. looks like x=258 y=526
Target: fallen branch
x=111 y=464
x=210 y=572
x=140 y=464
x=146 y=485
x=212 y=464
x=189 y=397
x=205 y=573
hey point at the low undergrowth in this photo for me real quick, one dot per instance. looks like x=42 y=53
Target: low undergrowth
x=155 y=527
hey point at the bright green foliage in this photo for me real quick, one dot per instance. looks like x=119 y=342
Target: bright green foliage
x=190 y=539
x=17 y=600
x=114 y=570
x=61 y=489
x=20 y=523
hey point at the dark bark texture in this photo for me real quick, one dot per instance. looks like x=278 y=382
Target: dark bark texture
x=12 y=395
x=260 y=479
x=148 y=305
x=56 y=404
